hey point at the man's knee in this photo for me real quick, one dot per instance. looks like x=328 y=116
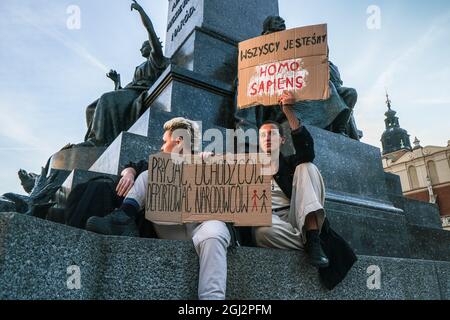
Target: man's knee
x=143 y=177
x=262 y=234
x=306 y=176
x=212 y=230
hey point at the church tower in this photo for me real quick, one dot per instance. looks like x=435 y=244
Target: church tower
x=394 y=138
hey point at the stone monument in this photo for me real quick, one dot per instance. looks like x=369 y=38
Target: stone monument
x=402 y=238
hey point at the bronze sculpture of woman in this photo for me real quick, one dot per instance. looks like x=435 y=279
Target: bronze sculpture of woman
x=117 y=111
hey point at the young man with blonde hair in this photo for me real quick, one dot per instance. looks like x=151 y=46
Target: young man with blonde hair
x=211 y=238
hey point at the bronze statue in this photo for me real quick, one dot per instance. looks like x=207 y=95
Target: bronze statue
x=334 y=114
x=117 y=111
x=43 y=189
x=27 y=180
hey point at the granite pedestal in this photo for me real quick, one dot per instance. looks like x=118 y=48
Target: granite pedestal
x=131 y=268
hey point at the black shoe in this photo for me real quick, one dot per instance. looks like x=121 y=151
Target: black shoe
x=316 y=256
x=117 y=223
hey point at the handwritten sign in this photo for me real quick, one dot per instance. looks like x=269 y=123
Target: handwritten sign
x=293 y=60
x=230 y=189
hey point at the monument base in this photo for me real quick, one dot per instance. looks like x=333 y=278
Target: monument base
x=132 y=268
x=76 y=158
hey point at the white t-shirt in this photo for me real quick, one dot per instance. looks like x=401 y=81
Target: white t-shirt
x=279 y=199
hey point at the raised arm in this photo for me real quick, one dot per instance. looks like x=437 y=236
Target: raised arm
x=287 y=102
x=153 y=38
x=301 y=138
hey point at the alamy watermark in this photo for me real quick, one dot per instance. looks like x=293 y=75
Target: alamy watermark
x=374 y=279
x=73 y=277
x=73 y=21
x=374 y=19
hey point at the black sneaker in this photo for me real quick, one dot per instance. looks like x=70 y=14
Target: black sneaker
x=117 y=223
x=313 y=248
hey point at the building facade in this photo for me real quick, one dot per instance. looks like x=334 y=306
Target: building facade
x=424 y=171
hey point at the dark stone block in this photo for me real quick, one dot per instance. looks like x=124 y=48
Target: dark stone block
x=76 y=158
x=126 y=148
x=370 y=233
x=7 y=205
x=209 y=55
x=75 y=178
x=382 y=233
x=139 y=269
x=243 y=19
x=355 y=169
x=352 y=170
x=429 y=243
x=281 y=275
x=40 y=271
x=393 y=184
x=182 y=93
x=443 y=274
x=131 y=268
x=364 y=211
x=422 y=213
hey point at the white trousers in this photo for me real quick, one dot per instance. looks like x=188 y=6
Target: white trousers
x=308 y=195
x=211 y=240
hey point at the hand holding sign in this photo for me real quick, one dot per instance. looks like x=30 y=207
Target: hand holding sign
x=287 y=99
x=287 y=102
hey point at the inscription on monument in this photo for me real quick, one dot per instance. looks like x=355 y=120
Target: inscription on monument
x=184 y=16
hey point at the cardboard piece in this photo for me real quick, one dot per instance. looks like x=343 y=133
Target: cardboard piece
x=293 y=60
x=230 y=189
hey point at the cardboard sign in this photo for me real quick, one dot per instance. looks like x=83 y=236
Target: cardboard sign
x=230 y=189
x=294 y=60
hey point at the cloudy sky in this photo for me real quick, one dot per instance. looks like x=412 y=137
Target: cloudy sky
x=49 y=73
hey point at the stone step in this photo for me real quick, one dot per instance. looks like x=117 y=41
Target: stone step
x=126 y=148
x=420 y=213
x=76 y=158
x=417 y=212
x=375 y=235
x=7 y=205
x=429 y=243
x=36 y=267
x=370 y=232
x=393 y=184
x=380 y=233
x=362 y=211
